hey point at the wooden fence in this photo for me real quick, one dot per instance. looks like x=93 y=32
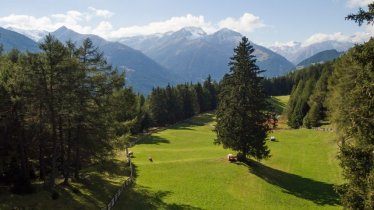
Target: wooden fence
x=125 y=185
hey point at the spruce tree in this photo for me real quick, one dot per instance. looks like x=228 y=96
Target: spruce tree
x=351 y=106
x=242 y=109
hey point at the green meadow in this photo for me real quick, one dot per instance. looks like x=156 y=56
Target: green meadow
x=189 y=172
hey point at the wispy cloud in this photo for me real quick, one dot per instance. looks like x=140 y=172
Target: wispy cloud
x=82 y=23
x=245 y=24
x=73 y=19
x=172 y=24
x=358 y=37
x=358 y=3
x=101 y=13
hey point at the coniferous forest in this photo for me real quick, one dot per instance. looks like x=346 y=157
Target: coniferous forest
x=65 y=108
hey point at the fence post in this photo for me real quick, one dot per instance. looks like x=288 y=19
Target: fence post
x=127 y=182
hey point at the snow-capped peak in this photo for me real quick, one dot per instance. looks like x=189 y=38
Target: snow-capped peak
x=190 y=33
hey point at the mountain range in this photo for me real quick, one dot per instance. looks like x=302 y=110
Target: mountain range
x=10 y=40
x=320 y=57
x=193 y=54
x=296 y=52
x=142 y=73
x=186 y=55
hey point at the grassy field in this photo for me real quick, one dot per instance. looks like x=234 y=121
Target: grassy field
x=190 y=172
x=279 y=103
x=98 y=185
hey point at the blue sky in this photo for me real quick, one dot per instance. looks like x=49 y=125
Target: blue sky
x=266 y=22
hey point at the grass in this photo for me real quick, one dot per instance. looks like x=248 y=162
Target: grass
x=189 y=172
x=99 y=183
x=279 y=103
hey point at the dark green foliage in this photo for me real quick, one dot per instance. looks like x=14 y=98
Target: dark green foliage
x=60 y=109
x=317 y=101
x=158 y=106
x=363 y=15
x=306 y=106
x=172 y=104
x=278 y=86
x=351 y=106
x=242 y=110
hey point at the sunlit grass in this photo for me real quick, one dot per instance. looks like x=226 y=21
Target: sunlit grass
x=190 y=172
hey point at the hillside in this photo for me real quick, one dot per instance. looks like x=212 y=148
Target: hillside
x=10 y=40
x=296 y=52
x=320 y=57
x=142 y=73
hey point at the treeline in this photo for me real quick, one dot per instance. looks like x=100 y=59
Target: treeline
x=307 y=105
x=283 y=85
x=60 y=110
x=171 y=104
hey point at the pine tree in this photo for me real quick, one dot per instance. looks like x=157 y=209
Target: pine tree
x=351 y=106
x=363 y=15
x=242 y=109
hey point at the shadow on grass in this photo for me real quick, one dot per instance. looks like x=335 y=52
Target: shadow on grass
x=98 y=184
x=277 y=105
x=152 y=139
x=318 y=192
x=139 y=197
x=199 y=120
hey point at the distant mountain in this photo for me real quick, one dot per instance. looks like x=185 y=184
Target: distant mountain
x=142 y=73
x=10 y=39
x=320 y=57
x=296 y=53
x=193 y=54
x=36 y=35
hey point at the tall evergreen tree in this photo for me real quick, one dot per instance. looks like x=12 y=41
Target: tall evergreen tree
x=242 y=109
x=351 y=106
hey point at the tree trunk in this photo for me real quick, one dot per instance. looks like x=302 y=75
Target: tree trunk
x=68 y=159
x=42 y=169
x=77 y=164
x=24 y=159
x=53 y=175
x=62 y=146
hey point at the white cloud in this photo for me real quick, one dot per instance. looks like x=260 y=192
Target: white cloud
x=25 y=21
x=172 y=24
x=101 y=13
x=286 y=44
x=245 y=24
x=75 y=20
x=103 y=29
x=357 y=37
x=358 y=3
x=321 y=37
x=82 y=23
